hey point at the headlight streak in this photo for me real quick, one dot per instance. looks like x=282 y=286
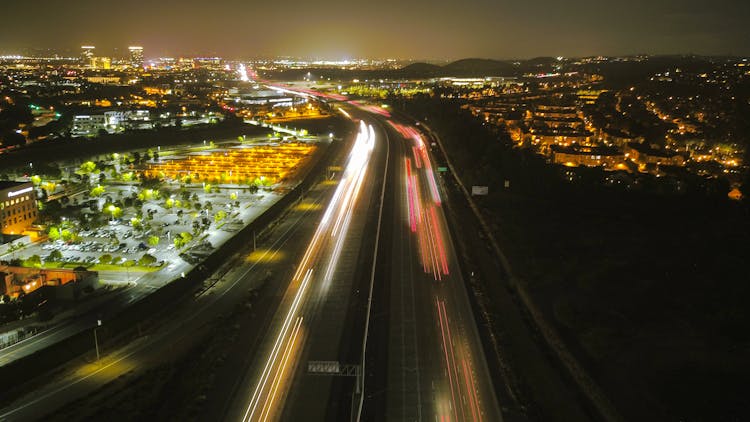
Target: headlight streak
x=423 y=219
x=271 y=362
x=412 y=198
x=450 y=364
x=290 y=348
x=464 y=392
x=336 y=219
x=459 y=399
x=417 y=161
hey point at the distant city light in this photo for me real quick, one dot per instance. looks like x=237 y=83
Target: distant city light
x=243 y=73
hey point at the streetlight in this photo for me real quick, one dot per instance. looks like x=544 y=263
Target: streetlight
x=96 y=340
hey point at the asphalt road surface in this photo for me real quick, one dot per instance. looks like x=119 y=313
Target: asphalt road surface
x=425 y=358
x=313 y=320
x=189 y=321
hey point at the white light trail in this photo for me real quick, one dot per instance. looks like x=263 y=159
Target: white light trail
x=242 y=70
x=332 y=228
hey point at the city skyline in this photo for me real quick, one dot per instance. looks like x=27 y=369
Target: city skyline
x=486 y=210
x=419 y=30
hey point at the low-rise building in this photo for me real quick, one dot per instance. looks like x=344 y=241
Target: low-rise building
x=645 y=155
x=87 y=125
x=21 y=280
x=609 y=158
x=18 y=208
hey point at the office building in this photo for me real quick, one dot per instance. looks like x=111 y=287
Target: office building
x=136 y=56
x=87 y=55
x=18 y=208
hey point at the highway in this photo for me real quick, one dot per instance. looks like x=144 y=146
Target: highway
x=425 y=360
x=311 y=321
x=435 y=368
x=188 y=323
x=434 y=364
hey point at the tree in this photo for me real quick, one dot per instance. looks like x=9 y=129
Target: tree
x=67 y=235
x=55 y=255
x=97 y=191
x=147 y=194
x=146 y=260
x=48 y=187
x=54 y=233
x=220 y=215
x=34 y=261
x=87 y=168
x=113 y=211
x=169 y=203
x=182 y=239
x=136 y=222
x=105 y=259
x=153 y=240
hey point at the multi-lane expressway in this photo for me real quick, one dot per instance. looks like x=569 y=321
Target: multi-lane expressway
x=380 y=230
x=435 y=366
x=309 y=323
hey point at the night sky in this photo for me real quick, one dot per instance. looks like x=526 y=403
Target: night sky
x=417 y=29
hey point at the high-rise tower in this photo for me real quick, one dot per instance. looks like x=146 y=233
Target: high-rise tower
x=136 y=56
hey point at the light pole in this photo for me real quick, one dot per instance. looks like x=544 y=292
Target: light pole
x=96 y=340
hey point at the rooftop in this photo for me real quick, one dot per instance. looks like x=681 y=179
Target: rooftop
x=584 y=150
x=5 y=184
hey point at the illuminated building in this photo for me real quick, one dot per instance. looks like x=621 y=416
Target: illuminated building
x=68 y=283
x=18 y=208
x=136 y=56
x=644 y=155
x=101 y=63
x=87 y=54
x=87 y=125
x=91 y=125
x=214 y=63
x=574 y=156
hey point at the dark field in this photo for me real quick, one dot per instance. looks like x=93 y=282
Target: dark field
x=650 y=292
